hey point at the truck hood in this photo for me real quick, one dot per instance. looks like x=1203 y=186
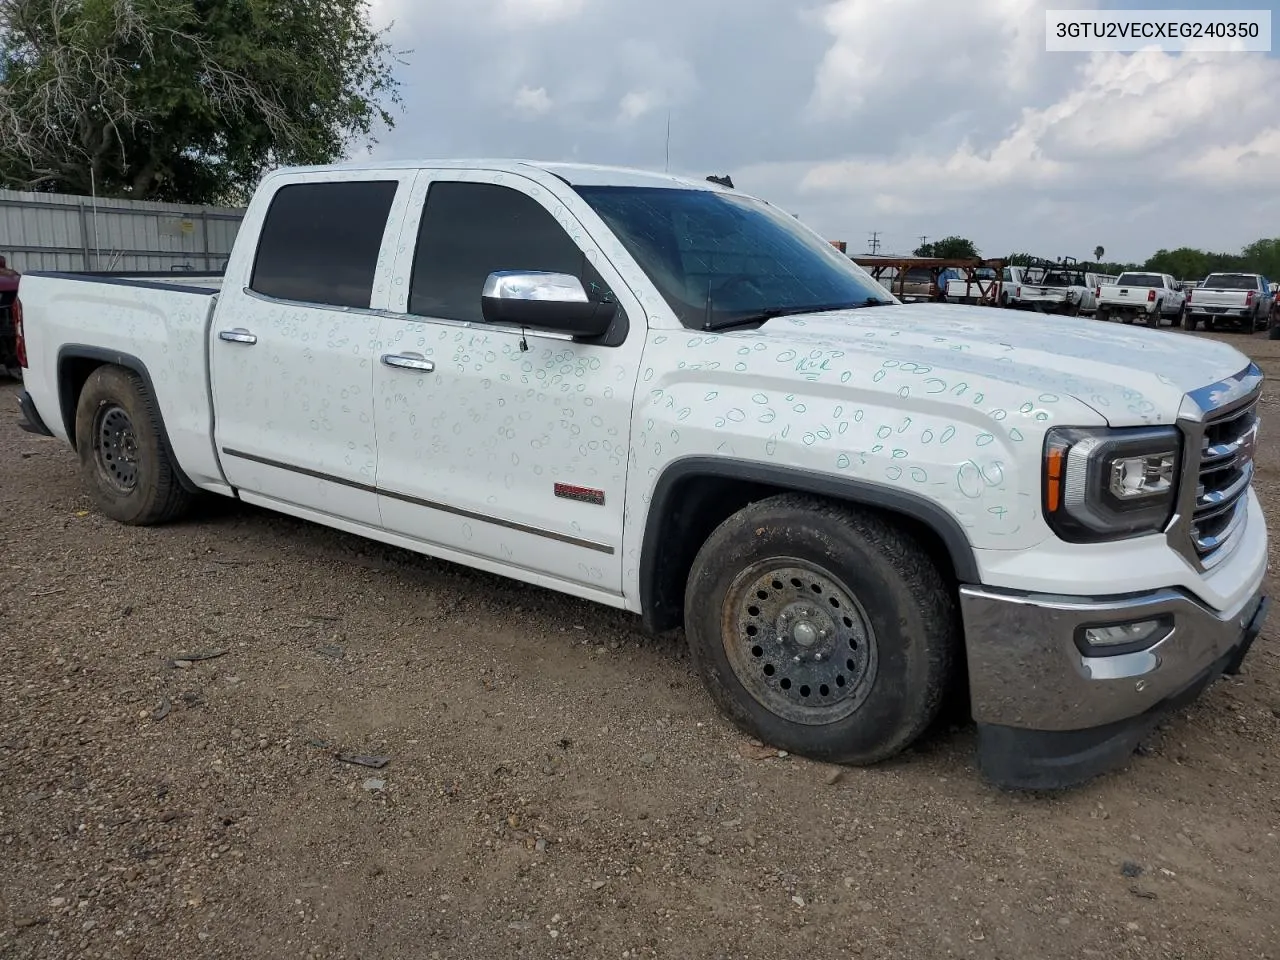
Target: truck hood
x=1130 y=376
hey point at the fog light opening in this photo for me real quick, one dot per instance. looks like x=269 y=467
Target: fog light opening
x=1113 y=639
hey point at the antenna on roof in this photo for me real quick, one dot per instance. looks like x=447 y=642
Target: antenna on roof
x=666 y=166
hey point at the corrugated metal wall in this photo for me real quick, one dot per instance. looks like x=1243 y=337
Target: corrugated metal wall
x=50 y=231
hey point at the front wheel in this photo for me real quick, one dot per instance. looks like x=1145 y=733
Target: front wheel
x=124 y=460
x=1180 y=317
x=821 y=629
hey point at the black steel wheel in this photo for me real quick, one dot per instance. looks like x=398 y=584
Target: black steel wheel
x=115 y=448
x=821 y=628
x=124 y=458
x=798 y=641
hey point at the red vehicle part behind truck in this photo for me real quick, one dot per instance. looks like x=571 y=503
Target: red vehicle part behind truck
x=9 y=359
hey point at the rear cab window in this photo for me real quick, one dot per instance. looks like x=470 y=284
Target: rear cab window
x=1140 y=280
x=1231 y=281
x=320 y=242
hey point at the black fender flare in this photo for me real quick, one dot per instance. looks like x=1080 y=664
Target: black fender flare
x=796 y=480
x=67 y=401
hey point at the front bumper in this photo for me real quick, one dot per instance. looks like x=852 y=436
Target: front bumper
x=1048 y=715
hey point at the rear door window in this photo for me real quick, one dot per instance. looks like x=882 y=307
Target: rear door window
x=320 y=242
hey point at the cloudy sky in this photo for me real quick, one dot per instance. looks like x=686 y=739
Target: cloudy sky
x=907 y=117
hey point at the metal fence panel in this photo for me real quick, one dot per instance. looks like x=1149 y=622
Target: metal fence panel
x=51 y=231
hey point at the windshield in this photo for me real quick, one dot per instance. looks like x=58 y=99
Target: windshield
x=1139 y=280
x=1231 y=281
x=718 y=258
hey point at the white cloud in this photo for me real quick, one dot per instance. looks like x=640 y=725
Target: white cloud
x=539 y=11
x=532 y=100
x=636 y=104
x=880 y=48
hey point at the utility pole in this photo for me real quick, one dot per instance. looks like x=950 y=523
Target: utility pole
x=874 y=243
x=923 y=240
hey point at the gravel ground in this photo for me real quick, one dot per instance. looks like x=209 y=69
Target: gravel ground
x=557 y=783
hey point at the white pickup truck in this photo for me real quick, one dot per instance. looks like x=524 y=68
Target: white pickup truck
x=669 y=397
x=1149 y=297
x=1056 y=290
x=1243 y=300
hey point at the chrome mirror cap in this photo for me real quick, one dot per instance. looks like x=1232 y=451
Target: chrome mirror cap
x=534 y=285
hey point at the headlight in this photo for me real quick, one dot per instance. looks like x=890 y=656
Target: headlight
x=1102 y=484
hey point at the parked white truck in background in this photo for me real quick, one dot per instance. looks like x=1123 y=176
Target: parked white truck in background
x=1139 y=295
x=668 y=397
x=1243 y=300
x=1062 y=290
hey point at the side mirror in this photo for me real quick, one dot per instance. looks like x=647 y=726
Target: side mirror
x=544 y=301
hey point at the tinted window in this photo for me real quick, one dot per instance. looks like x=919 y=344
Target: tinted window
x=1140 y=280
x=320 y=242
x=719 y=257
x=470 y=230
x=1231 y=281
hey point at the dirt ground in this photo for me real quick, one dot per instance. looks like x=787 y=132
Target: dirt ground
x=558 y=784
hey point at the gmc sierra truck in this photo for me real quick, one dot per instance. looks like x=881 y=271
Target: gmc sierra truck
x=1243 y=300
x=667 y=396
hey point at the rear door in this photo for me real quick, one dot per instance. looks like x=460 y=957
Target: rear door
x=293 y=345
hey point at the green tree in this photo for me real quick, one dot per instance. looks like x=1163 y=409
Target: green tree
x=1187 y=263
x=185 y=100
x=1263 y=256
x=949 y=248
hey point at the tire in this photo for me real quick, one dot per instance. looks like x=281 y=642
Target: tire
x=875 y=673
x=124 y=460
x=1103 y=314
x=1180 y=317
x=1153 y=318
x=1189 y=323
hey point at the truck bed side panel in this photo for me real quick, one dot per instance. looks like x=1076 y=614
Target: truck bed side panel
x=162 y=326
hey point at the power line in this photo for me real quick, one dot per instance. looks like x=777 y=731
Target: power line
x=874 y=242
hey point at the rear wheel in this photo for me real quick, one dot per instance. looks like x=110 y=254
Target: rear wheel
x=1103 y=314
x=1190 y=321
x=821 y=629
x=123 y=458
x=1153 y=318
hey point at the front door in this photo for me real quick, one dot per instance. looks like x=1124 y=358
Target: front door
x=497 y=444
x=293 y=346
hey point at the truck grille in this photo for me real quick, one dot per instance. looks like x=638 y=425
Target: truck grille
x=1224 y=472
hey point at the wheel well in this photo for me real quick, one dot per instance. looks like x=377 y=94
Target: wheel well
x=73 y=373
x=692 y=506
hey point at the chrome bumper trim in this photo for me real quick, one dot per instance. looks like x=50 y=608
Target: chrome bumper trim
x=1026 y=671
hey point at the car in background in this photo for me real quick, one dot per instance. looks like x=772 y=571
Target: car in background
x=1242 y=300
x=1142 y=295
x=1056 y=289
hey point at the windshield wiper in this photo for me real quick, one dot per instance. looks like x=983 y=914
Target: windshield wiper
x=773 y=313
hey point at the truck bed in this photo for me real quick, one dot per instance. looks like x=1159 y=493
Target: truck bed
x=74 y=321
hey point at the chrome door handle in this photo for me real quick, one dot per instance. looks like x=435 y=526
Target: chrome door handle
x=238 y=335
x=408 y=361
